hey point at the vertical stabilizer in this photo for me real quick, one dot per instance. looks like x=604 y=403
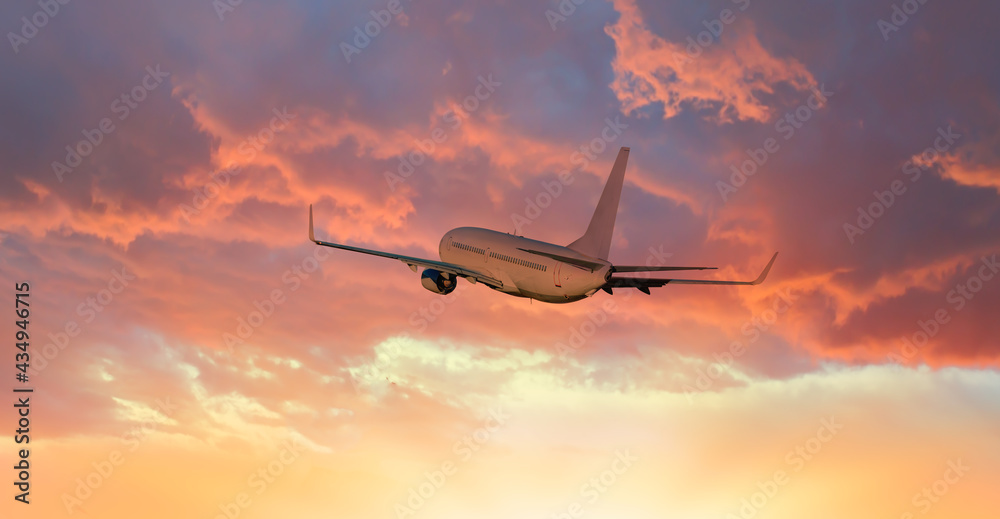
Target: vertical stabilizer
x=596 y=242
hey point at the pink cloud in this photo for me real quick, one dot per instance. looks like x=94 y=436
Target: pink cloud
x=726 y=78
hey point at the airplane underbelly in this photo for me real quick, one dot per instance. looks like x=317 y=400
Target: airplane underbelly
x=542 y=287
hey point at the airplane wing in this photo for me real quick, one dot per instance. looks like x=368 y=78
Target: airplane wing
x=644 y=284
x=412 y=262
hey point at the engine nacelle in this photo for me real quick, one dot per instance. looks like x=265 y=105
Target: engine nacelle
x=438 y=282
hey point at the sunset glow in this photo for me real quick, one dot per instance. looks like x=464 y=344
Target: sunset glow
x=193 y=354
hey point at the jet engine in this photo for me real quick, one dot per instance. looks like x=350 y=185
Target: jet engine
x=438 y=282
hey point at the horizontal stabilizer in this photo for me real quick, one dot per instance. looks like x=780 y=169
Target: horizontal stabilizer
x=644 y=284
x=592 y=265
x=630 y=268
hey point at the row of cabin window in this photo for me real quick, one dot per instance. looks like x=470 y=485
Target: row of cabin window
x=521 y=262
x=477 y=250
x=469 y=248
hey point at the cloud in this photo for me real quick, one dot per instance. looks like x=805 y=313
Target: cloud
x=723 y=79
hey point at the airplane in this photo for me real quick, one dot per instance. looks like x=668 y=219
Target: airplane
x=546 y=272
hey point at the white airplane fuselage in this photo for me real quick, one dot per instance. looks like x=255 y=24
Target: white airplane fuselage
x=538 y=270
x=524 y=274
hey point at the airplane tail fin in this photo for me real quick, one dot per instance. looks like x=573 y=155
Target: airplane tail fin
x=596 y=242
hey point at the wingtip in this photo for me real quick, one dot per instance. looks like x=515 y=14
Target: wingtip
x=312 y=237
x=763 y=274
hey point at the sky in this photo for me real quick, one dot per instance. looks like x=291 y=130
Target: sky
x=192 y=354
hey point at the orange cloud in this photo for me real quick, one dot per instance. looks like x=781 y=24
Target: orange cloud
x=724 y=78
